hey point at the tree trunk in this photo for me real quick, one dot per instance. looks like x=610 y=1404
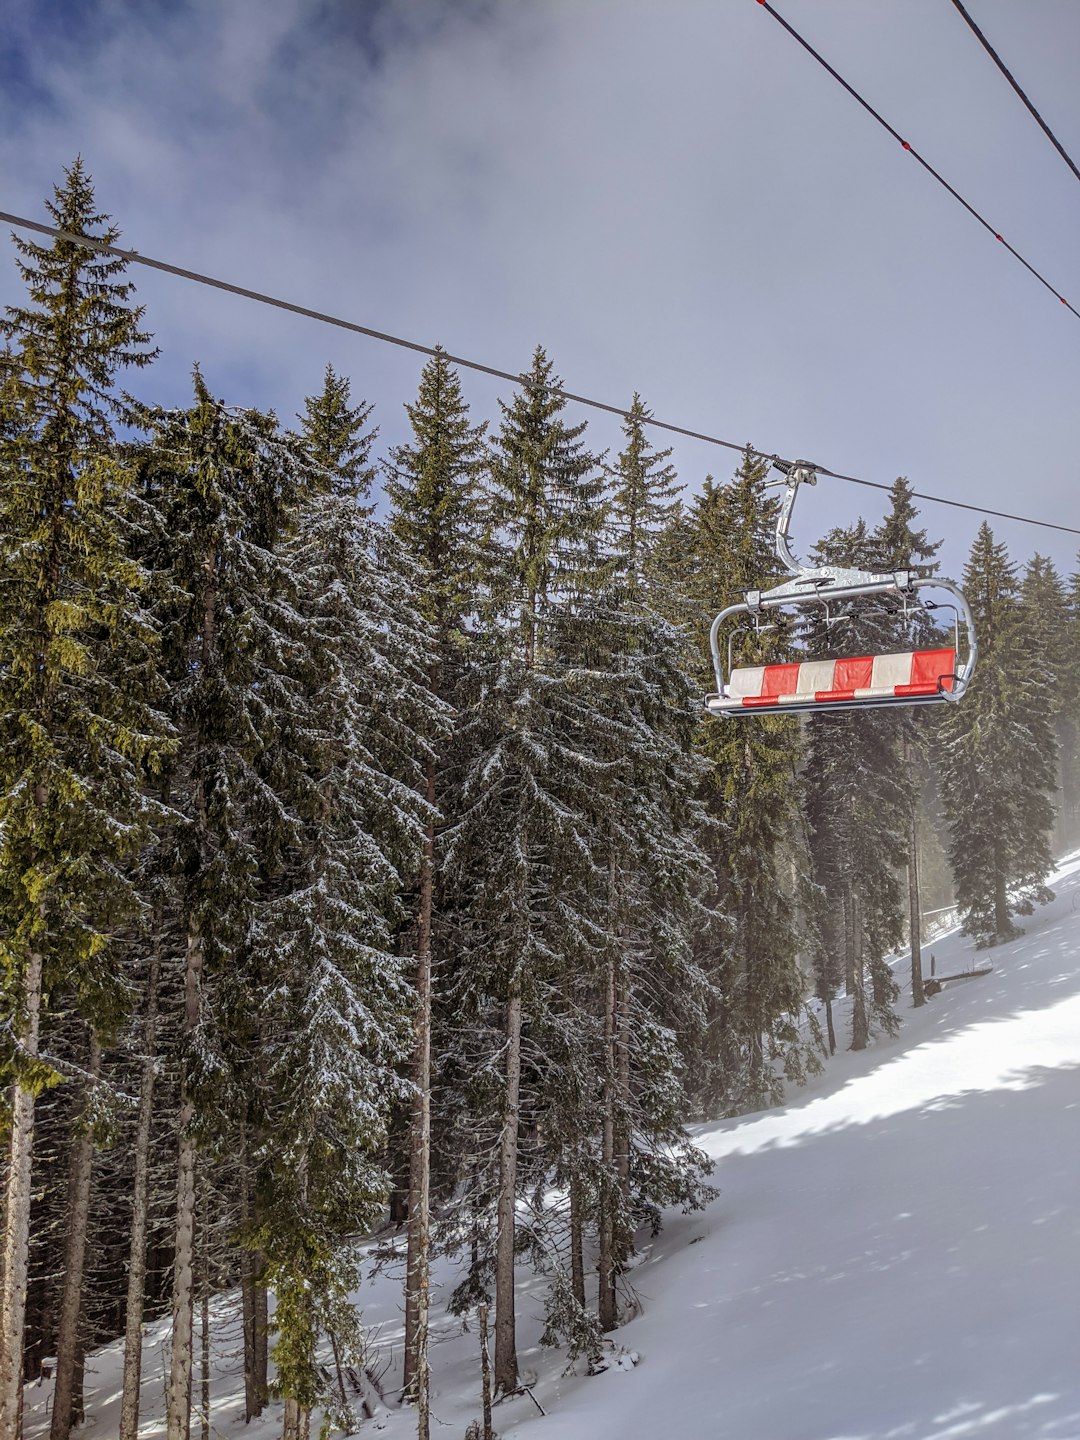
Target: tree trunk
x=506 y=1366
x=17 y=1216
x=622 y=1091
x=261 y=1338
x=918 y=996
x=485 y=1372
x=860 y=1027
x=178 y=1400
x=606 y=1304
x=1003 y=926
x=849 y=942
x=67 y=1334
x=829 y=1022
x=204 y=1352
x=417 y=1295
x=577 y=1256
x=140 y=1205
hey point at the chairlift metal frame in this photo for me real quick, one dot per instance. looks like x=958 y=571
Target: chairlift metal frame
x=822 y=585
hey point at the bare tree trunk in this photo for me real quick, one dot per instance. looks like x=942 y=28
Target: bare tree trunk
x=625 y=1241
x=606 y=1306
x=17 y=1215
x=577 y=1258
x=506 y=1366
x=178 y=1400
x=1003 y=926
x=140 y=1205
x=417 y=1281
x=915 y=914
x=67 y=1333
x=860 y=1027
x=261 y=1338
x=290 y=1426
x=485 y=1371
x=829 y=1022
x=204 y=1353
x=849 y=942
x=247 y=1301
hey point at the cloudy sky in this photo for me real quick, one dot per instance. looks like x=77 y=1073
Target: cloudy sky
x=669 y=195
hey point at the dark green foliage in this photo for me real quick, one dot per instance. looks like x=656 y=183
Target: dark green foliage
x=335 y=440
x=998 y=752
x=752 y=792
x=78 y=684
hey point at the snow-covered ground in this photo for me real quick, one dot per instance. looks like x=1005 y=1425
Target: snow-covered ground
x=895 y=1255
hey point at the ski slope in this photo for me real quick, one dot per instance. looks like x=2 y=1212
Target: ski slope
x=895 y=1255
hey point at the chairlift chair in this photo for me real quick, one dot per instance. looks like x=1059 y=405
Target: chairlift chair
x=846 y=682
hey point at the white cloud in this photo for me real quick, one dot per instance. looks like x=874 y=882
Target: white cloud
x=671 y=198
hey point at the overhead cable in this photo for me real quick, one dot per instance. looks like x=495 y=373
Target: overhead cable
x=915 y=154
x=1012 y=81
x=135 y=258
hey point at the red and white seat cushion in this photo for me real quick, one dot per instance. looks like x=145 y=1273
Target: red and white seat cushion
x=823 y=682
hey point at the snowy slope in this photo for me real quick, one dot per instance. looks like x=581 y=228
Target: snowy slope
x=893 y=1256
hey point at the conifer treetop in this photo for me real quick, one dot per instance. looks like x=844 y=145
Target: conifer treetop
x=79 y=328
x=333 y=433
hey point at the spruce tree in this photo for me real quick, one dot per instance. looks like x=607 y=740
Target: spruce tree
x=335 y=439
x=339 y=1028
x=1069 y=718
x=1047 y=629
x=77 y=675
x=859 y=797
x=521 y=857
x=433 y=486
x=225 y=493
x=897 y=545
x=653 y=996
x=752 y=793
x=998 y=755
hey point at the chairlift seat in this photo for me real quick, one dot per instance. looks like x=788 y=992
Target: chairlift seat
x=918 y=676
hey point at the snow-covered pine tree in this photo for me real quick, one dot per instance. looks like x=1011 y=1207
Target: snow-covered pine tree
x=433 y=486
x=521 y=859
x=898 y=545
x=77 y=682
x=334 y=436
x=752 y=792
x=653 y=996
x=998 y=756
x=1046 y=624
x=340 y=1020
x=1043 y=639
x=1069 y=731
x=224 y=496
x=858 y=799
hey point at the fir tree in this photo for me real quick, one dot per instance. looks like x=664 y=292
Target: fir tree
x=752 y=792
x=1069 y=718
x=77 y=676
x=898 y=546
x=335 y=439
x=653 y=995
x=998 y=756
x=339 y=1024
x=433 y=486
x=859 y=798
x=521 y=857
x=225 y=491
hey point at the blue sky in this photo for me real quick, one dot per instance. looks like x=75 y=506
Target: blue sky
x=671 y=198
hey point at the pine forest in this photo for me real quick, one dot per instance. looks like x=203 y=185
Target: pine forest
x=370 y=868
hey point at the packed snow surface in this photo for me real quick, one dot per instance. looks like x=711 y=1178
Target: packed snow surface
x=895 y=1255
